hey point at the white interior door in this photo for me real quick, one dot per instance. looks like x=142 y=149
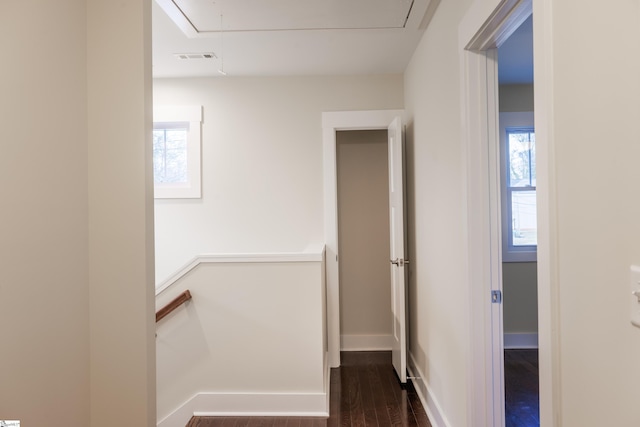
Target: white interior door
x=397 y=250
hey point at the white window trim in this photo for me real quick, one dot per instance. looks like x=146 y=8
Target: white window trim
x=511 y=254
x=191 y=114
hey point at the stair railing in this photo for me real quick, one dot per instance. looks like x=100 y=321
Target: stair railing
x=174 y=304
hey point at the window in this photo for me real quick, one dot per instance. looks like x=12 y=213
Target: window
x=518 y=160
x=176 y=152
x=170 y=153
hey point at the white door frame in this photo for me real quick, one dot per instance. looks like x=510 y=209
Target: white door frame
x=333 y=122
x=485 y=26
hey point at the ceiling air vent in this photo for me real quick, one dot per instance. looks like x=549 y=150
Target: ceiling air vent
x=188 y=56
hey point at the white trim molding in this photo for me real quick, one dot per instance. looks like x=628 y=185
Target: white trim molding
x=310 y=255
x=527 y=340
x=333 y=122
x=548 y=289
x=248 y=405
x=484 y=395
x=432 y=407
x=485 y=26
x=366 y=342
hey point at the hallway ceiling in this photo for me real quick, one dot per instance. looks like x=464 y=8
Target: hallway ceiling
x=286 y=37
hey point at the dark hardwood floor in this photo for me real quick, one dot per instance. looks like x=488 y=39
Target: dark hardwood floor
x=364 y=392
x=522 y=403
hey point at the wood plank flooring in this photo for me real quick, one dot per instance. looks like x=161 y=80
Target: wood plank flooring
x=522 y=403
x=364 y=392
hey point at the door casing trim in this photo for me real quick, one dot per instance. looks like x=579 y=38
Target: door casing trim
x=333 y=122
x=483 y=28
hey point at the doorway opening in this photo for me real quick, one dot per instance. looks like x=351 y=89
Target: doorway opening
x=482 y=31
x=517 y=170
x=332 y=123
x=363 y=230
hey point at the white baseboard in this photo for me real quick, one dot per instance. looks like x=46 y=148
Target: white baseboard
x=513 y=341
x=434 y=411
x=248 y=405
x=365 y=342
x=327 y=382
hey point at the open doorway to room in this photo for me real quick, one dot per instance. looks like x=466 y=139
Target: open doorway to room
x=519 y=227
x=389 y=121
x=483 y=33
x=363 y=230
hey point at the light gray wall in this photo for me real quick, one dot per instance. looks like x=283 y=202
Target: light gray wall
x=515 y=98
x=121 y=254
x=520 y=302
x=595 y=105
x=363 y=221
x=44 y=302
x=519 y=279
x=76 y=245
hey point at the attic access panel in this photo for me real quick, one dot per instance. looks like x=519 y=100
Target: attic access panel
x=201 y=17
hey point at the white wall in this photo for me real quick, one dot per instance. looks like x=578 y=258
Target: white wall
x=76 y=248
x=435 y=166
x=262 y=162
x=596 y=106
x=363 y=224
x=251 y=340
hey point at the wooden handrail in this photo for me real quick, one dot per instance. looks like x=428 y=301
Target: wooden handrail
x=177 y=302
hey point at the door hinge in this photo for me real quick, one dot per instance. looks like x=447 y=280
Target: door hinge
x=496 y=297
x=400 y=262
